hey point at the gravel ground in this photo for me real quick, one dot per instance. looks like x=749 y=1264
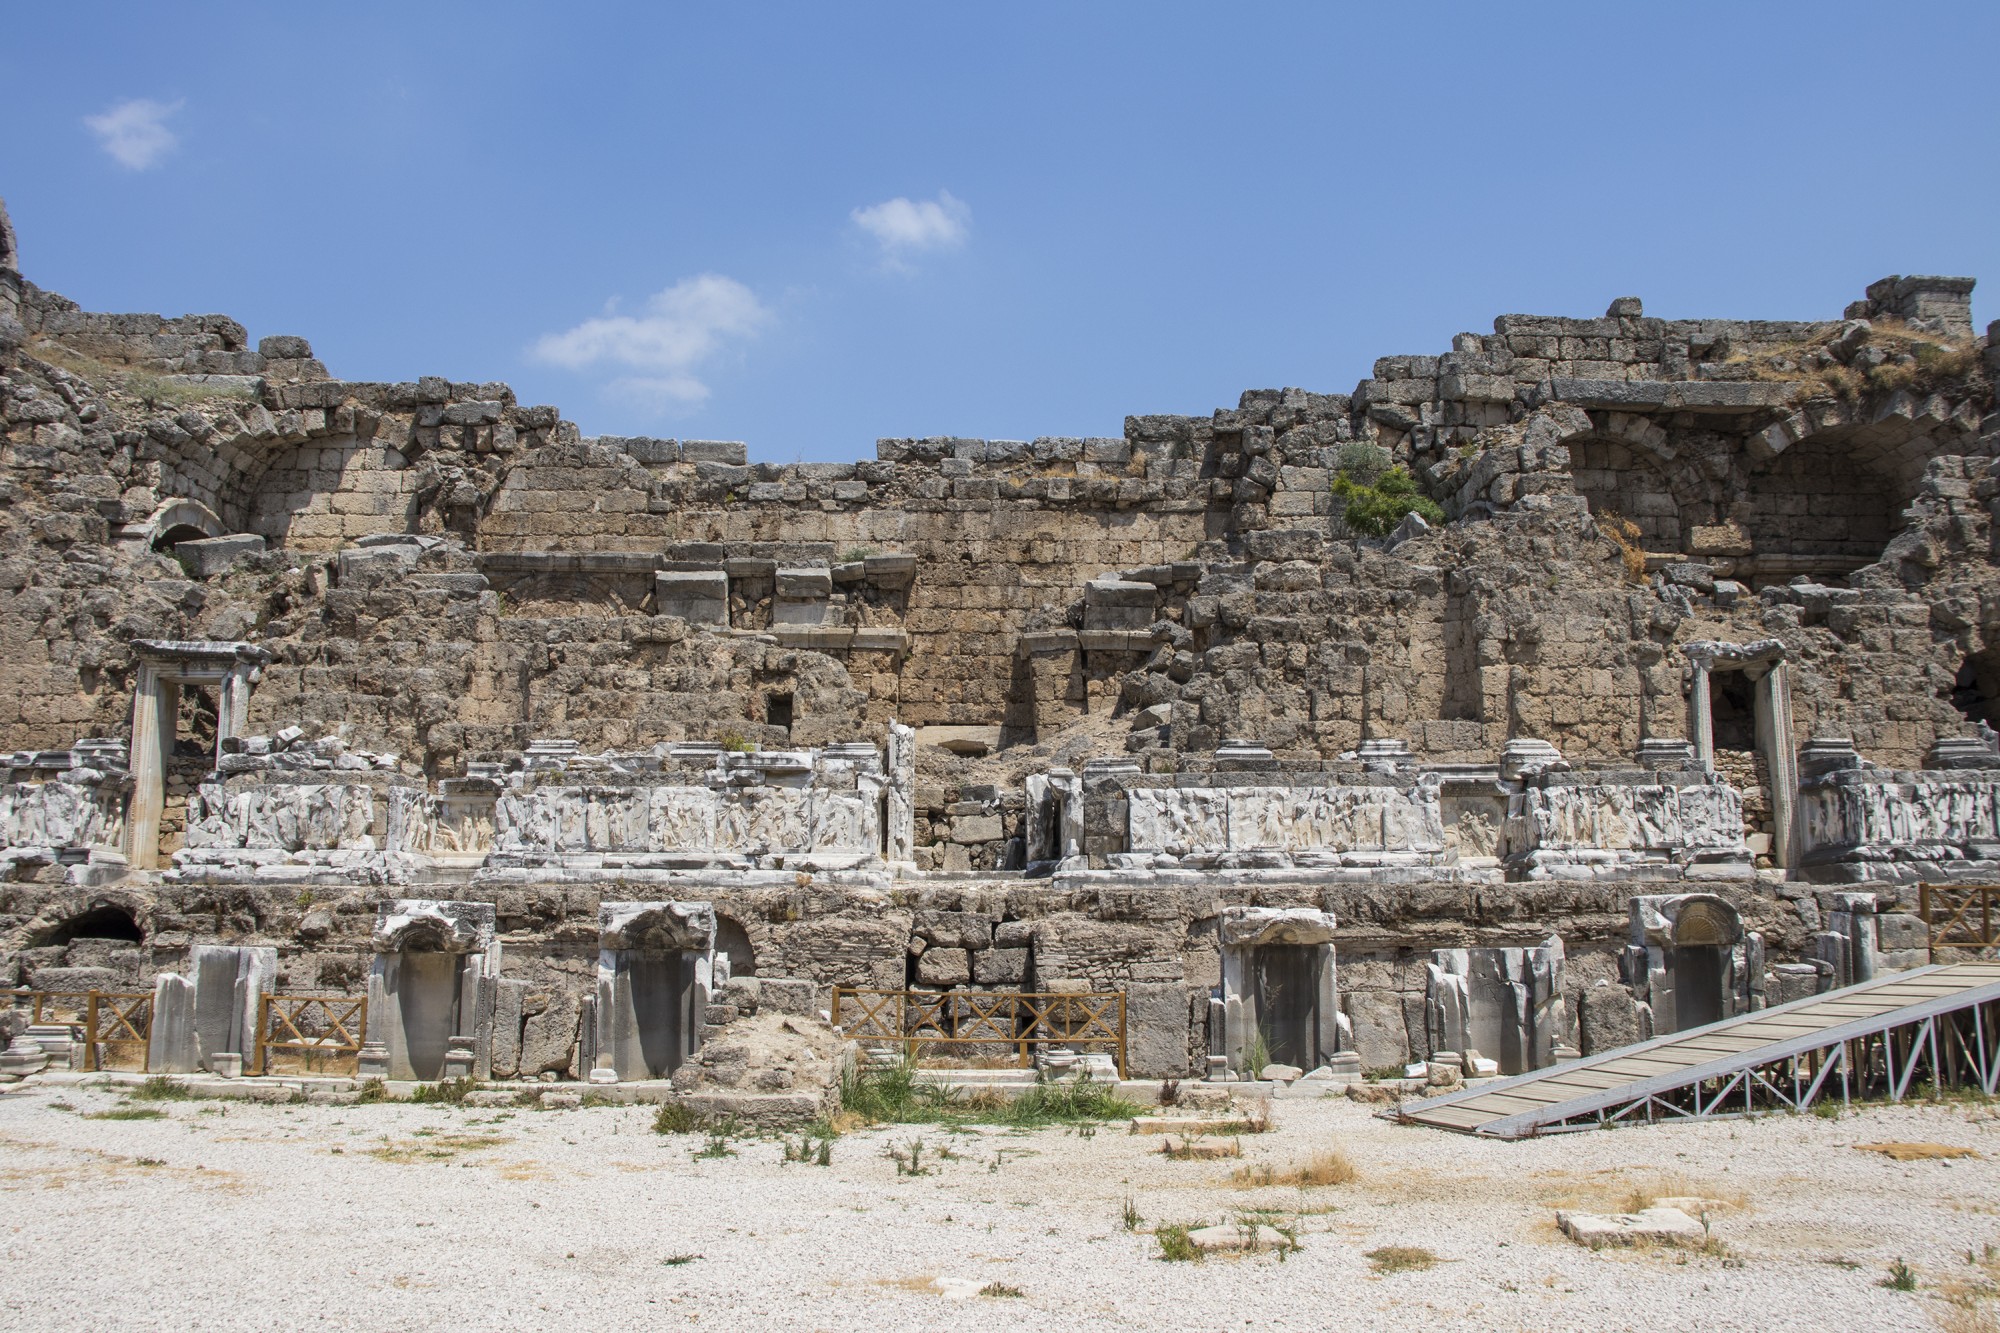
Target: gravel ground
x=234 y=1215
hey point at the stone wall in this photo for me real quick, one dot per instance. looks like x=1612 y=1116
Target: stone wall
x=1251 y=701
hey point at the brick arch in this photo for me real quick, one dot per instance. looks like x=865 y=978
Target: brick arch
x=180 y=515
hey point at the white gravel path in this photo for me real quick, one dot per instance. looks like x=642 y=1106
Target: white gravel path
x=239 y=1216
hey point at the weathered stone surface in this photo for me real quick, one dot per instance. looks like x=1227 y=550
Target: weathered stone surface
x=500 y=664
x=549 y=1038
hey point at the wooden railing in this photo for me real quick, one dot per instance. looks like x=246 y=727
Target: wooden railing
x=1024 y=1020
x=311 y=1026
x=121 y=1020
x=1964 y=917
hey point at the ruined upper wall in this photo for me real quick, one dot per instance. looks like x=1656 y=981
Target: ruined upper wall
x=1742 y=454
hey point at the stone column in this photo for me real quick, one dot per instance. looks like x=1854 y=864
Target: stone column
x=902 y=803
x=1701 y=728
x=155 y=704
x=1774 y=737
x=233 y=705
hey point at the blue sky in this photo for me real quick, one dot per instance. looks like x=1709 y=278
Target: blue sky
x=806 y=226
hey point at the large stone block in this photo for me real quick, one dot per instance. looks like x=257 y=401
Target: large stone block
x=215 y=555
x=548 y=1039
x=1381 y=1037
x=944 y=967
x=1000 y=967
x=509 y=997
x=976 y=828
x=1158 y=1031
x=702 y=597
x=1607 y=1018
x=953 y=930
x=731 y=452
x=1114 y=604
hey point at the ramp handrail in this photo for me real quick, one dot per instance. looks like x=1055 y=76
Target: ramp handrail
x=1953 y=1035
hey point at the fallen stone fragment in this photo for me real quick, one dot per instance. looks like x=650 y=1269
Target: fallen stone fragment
x=1237 y=1239
x=1658 y=1226
x=1176 y=1124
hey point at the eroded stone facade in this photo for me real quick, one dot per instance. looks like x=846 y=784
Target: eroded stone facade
x=1714 y=610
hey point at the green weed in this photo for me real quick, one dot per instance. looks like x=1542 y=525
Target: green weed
x=160 y=1088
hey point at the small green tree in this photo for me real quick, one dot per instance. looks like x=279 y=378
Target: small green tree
x=1374 y=508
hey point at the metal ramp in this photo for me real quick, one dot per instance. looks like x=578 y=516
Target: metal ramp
x=1860 y=1041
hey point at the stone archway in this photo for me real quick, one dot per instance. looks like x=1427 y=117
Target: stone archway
x=174 y=521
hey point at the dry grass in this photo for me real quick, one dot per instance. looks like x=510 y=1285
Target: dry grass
x=1625 y=535
x=1931 y=364
x=1958 y=1317
x=1324 y=1168
x=1915 y=1152
x=151 y=389
x=440 y=1148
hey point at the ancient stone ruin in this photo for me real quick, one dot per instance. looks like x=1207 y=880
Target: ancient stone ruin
x=581 y=758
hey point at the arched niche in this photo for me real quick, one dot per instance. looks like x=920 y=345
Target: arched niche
x=1619 y=480
x=655 y=973
x=731 y=939
x=1975 y=690
x=100 y=921
x=177 y=521
x=1820 y=508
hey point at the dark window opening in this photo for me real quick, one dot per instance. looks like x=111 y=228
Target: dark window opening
x=1733 y=716
x=174 y=536
x=778 y=710
x=1976 y=691
x=194 y=734
x=99 y=923
x=732 y=939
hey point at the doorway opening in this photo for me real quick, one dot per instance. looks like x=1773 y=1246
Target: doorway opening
x=1288 y=989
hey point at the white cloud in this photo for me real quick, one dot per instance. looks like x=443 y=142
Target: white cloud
x=905 y=227
x=681 y=328
x=135 y=132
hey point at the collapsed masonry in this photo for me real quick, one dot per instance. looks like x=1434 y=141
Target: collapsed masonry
x=566 y=751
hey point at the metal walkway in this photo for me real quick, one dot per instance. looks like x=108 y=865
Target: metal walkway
x=1861 y=1041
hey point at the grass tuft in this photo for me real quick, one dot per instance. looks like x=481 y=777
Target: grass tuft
x=128 y=1113
x=1176 y=1244
x=449 y=1091
x=898 y=1095
x=1001 y=1289
x=160 y=1088
x=1325 y=1168
x=678 y=1118
x=1401 y=1259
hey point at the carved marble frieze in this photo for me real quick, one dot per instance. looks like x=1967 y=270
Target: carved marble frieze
x=61 y=814
x=281 y=817
x=1589 y=829
x=1303 y=825
x=1873 y=815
